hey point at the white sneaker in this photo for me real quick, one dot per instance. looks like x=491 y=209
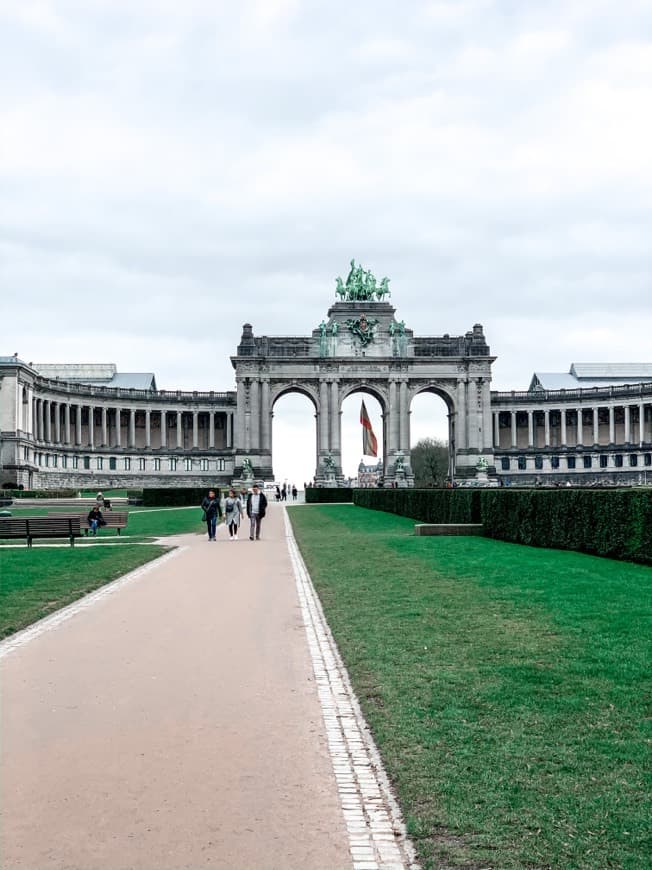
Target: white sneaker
x=235 y=537
x=230 y=537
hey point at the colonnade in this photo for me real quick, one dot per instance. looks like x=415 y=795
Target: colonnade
x=618 y=423
x=61 y=423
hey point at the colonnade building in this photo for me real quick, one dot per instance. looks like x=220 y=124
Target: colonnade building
x=82 y=426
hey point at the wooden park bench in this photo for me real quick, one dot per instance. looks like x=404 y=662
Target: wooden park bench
x=113 y=519
x=40 y=527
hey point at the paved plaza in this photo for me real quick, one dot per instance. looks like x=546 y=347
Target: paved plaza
x=193 y=714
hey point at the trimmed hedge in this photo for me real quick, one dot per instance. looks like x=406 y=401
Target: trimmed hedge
x=38 y=493
x=612 y=523
x=322 y=494
x=177 y=496
x=425 y=505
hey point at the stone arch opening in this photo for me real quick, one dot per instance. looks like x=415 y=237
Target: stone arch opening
x=356 y=463
x=293 y=432
x=432 y=419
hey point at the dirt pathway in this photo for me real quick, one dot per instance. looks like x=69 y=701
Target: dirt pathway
x=174 y=724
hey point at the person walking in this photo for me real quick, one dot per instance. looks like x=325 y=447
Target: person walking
x=232 y=514
x=294 y=492
x=256 y=506
x=284 y=492
x=212 y=510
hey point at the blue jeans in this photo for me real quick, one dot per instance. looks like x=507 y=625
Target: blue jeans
x=211 y=522
x=93 y=527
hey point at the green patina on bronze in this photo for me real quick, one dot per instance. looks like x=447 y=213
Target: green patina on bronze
x=363 y=328
x=361 y=286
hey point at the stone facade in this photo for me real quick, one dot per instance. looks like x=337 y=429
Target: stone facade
x=65 y=432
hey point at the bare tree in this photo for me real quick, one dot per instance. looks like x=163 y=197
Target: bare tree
x=429 y=460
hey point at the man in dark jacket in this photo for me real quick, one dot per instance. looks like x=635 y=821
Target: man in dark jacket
x=256 y=506
x=212 y=510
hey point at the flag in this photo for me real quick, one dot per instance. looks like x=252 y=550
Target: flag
x=369 y=442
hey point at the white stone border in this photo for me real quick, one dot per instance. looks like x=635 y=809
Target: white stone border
x=48 y=623
x=377 y=835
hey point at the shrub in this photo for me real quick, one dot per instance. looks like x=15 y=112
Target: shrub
x=316 y=494
x=175 y=496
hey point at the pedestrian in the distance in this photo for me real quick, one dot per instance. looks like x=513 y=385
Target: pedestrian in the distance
x=284 y=493
x=232 y=514
x=256 y=506
x=294 y=492
x=212 y=510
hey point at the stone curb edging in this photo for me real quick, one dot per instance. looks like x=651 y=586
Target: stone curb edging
x=377 y=835
x=48 y=623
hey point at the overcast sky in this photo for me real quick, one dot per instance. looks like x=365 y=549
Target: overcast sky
x=171 y=170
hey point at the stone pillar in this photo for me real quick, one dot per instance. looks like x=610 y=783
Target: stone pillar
x=118 y=427
x=628 y=426
x=148 y=428
x=564 y=438
x=335 y=415
x=612 y=425
x=641 y=424
x=460 y=416
x=78 y=426
x=229 y=428
x=580 y=428
x=195 y=429
x=241 y=401
x=497 y=430
x=546 y=427
x=48 y=421
x=211 y=429
x=266 y=419
x=57 y=422
x=66 y=412
x=596 y=426
x=164 y=428
x=131 y=441
x=404 y=420
x=530 y=428
x=392 y=428
x=514 y=430
x=105 y=436
x=91 y=426
x=255 y=414
x=323 y=416
x=179 y=432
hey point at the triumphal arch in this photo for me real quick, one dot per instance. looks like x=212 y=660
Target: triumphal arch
x=362 y=347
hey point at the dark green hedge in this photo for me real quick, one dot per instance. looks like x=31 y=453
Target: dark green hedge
x=38 y=493
x=614 y=523
x=425 y=505
x=175 y=497
x=316 y=494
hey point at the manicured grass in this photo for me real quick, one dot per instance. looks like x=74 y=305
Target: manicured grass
x=507 y=688
x=35 y=582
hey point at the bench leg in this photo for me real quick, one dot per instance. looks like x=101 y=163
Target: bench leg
x=72 y=541
x=29 y=541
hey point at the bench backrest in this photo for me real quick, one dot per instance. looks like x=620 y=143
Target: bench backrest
x=39 y=527
x=113 y=519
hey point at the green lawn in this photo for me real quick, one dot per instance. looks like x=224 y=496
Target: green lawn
x=507 y=688
x=35 y=582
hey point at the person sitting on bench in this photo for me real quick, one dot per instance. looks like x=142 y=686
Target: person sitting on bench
x=95 y=519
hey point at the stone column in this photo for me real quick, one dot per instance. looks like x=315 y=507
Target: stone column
x=641 y=424
x=118 y=427
x=392 y=428
x=131 y=441
x=564 y=439
x=266 y=417
x=596 y=426
x=91 y=426
x=612 y=425
x=211 y=429
x=57 y=422
x=254 y=424
x=195 y=429
x=105 y=435
x=579 y=427
x=48 y=421
x=514 y=430
x=530 y=428
x=179 y=432
x=66 y=413
x=460 y=416
x=335 y=415
x=497 y=430
x=546 y=427
x=148 y=428
x=404 y=421
x=78 y=426
x=229 y=428
x=323 y=416
x=628 y=426
x=164 y=428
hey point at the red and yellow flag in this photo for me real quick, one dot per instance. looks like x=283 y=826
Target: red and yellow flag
x=369 y=441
